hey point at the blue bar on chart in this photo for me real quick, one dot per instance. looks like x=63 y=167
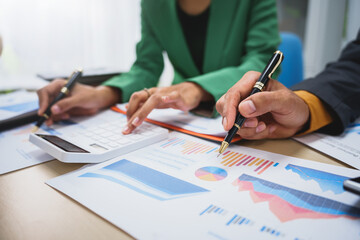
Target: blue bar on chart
x=148 y=177
x=239 y=220
x=214 y=210
x=271 y=231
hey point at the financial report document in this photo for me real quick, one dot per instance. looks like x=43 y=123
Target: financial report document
x=345 y=147
x=16 y=103
x=16 y=150
x=179 y=189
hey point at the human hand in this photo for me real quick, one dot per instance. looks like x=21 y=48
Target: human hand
x=82 y=100
x=277 y=112
x=183 y=96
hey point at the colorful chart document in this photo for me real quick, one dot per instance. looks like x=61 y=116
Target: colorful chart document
x=345 y=147
x=179 y=189
x=17 y=152
x=16 y=103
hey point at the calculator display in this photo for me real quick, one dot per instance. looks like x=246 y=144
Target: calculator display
x=63 y=144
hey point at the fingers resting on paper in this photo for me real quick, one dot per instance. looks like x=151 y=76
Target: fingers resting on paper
x=184 y=96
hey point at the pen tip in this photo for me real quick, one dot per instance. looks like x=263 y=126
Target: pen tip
x=34 y=129
x=223 y=146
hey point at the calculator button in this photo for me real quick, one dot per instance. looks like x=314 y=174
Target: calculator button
x=106 y=134
x=123 y=141
x=135 y=137
x=113 y=145
x=98 y=130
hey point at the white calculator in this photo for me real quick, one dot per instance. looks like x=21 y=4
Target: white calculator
x=97 y=139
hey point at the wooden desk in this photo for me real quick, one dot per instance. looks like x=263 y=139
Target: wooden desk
x=29 y=209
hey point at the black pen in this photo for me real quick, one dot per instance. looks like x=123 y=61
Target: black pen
x=270 y=68
x=63 y=92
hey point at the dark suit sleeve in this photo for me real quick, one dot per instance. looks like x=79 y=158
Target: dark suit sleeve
x=338 y=86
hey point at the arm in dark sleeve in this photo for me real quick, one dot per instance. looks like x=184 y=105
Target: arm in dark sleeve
x=338 y=86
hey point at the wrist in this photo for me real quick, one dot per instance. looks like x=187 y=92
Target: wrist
x=107 y=96
x=319 y=116
x=202 y=93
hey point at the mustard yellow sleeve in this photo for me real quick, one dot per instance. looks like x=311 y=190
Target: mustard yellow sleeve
x=319 y=116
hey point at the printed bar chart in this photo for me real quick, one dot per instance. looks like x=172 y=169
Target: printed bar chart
x=231 y=159
x=271 y=231
x=190 y=147
x=231 y=219
x=228 y=159
x=234 y=219
x=238 y=220
x=214 y=209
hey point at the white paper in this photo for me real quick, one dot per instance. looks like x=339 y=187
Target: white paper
x=17 y=152
x=186 y=120
x=16 y=103
x=179 y=189
x=13 y=82
x=345 y=147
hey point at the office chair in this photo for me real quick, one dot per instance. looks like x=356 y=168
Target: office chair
x=292 y=70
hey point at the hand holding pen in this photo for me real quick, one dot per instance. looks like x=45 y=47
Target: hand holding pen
x=276 y=112
x=270 y=68
x=65 y=90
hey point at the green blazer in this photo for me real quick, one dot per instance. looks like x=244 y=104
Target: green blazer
x=241 y=36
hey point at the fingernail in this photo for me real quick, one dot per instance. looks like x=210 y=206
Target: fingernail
x=224 y=122
x=55 y=109
x=250 y=123
x=250 y=106
x=165 y=98
x=272 y=129
x=136 y=121
x=260 y=128
x=126 y=130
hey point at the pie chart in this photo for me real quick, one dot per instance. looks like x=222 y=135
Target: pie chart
x=211 y=173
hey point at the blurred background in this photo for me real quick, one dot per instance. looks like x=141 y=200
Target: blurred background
x=50 y=36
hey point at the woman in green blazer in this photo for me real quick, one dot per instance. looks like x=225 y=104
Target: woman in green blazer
x=211 y=45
